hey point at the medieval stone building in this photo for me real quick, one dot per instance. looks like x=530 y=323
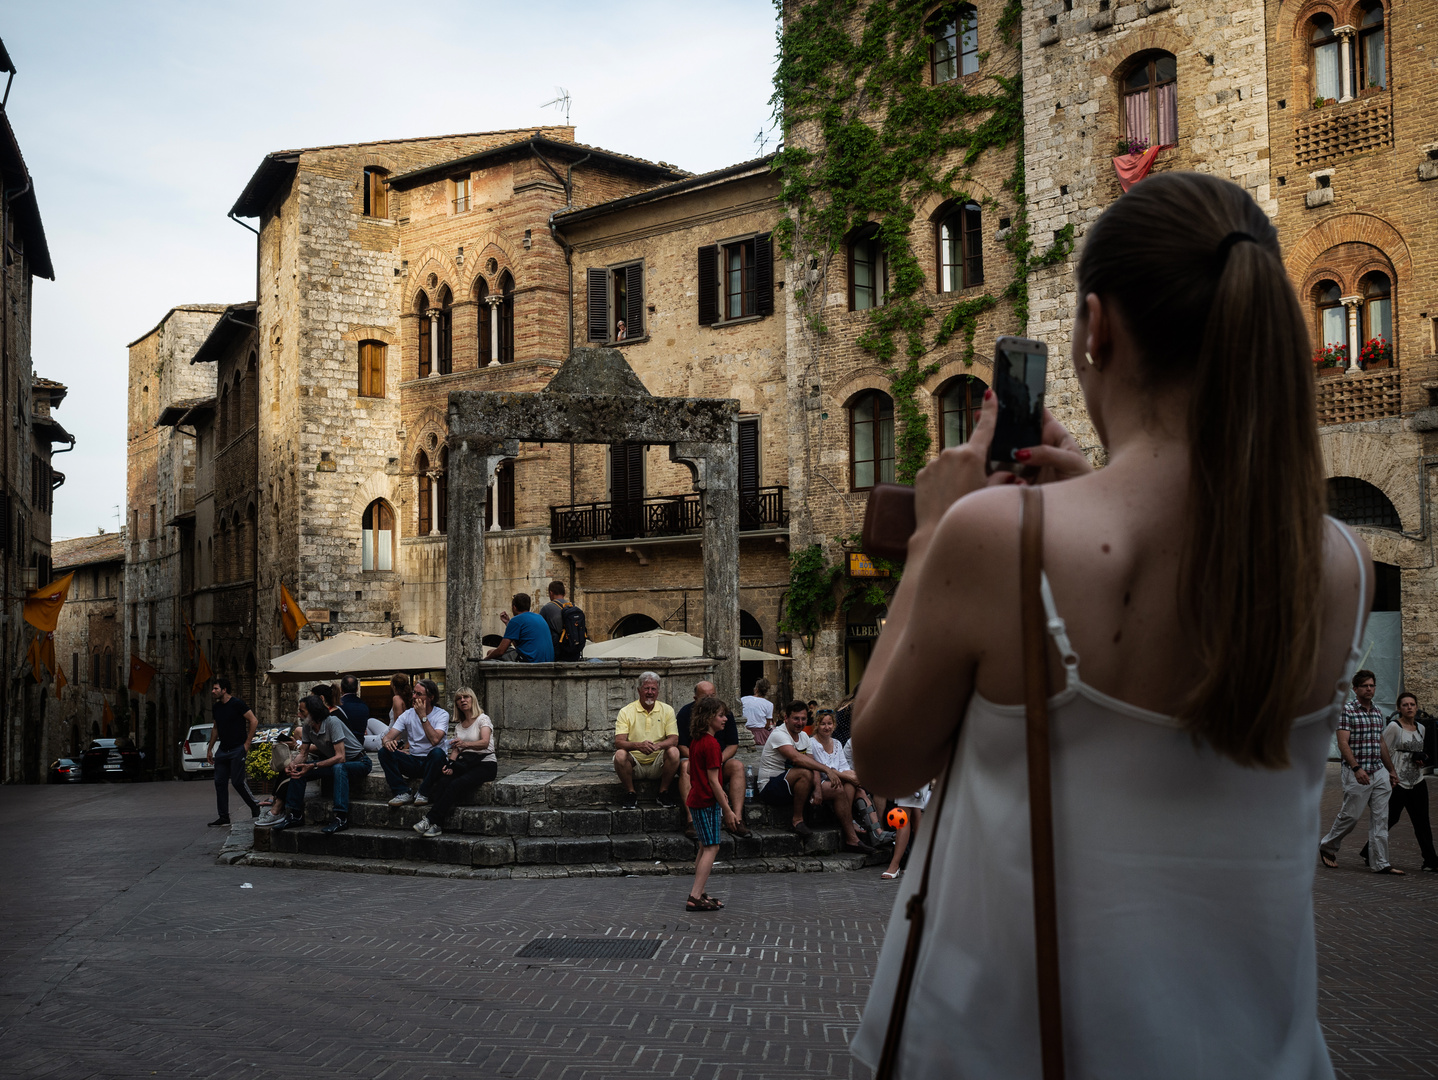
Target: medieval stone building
x=88 y=645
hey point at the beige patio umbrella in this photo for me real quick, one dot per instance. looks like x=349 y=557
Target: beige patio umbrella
x=661 y=645
x=356 y=652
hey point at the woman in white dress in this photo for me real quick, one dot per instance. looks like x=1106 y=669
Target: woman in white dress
x=1216 y=613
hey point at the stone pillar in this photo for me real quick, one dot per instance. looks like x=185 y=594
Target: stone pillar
x=715 y=468
x=1351 y=303
x=471 y=462
x=1346 y=65
x=433 y=341
x=492 y=488
x=433 y=503
x=494 y=300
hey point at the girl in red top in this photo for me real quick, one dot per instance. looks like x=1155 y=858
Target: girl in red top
x=706 y=795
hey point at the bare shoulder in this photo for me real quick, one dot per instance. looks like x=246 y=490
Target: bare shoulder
x=1349 y=583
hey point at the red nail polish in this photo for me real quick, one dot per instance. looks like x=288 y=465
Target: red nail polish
x=1023 y=455
x=988 y=394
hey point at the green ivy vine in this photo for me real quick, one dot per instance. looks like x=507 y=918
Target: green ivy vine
x=811 y=599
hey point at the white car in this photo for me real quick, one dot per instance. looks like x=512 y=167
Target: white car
x=192 y=753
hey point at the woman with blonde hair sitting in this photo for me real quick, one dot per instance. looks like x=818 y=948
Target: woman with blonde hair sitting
x=472 y=761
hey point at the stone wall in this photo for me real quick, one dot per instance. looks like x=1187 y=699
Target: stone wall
x=570 y=708
x=88 y=631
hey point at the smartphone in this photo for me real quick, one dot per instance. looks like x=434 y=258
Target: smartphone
x=1021 y=368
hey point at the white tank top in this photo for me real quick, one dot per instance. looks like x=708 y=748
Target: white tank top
x=1185 y=900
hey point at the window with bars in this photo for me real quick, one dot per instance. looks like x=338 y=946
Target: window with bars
x=1357 y=502
x=461 y=195
x=371 y=369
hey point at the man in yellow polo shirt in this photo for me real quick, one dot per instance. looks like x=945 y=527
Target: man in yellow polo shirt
x=646 y=744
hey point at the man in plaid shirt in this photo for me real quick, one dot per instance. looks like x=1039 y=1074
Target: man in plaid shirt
x=1368 y=777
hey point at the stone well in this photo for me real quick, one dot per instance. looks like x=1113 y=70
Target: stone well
x=570 y=708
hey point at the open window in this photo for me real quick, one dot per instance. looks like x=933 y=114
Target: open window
x=868 y=270
x=960 y=244
x=377 y=547
x=871 y=440
x=955 y=50
x=616 y=302
x=376 y=195
x=1150 y=100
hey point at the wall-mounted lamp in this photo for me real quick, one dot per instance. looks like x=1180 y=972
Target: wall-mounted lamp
x=808 y=640
x=880 y=621
x=785 y=645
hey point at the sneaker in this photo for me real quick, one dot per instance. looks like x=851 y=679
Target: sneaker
x=420 y=825
x=286 y=821
x=421 y=800
x=404 y=798
x=1431 y=868
x=339 y=824
x=220 y=823
x=631 y=801
x=667 y=797
x=432 y=831
x=266 y=819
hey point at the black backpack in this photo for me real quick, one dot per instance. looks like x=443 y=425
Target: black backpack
x=572 y=633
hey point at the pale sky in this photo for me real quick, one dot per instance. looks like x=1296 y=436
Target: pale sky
x=141 y=123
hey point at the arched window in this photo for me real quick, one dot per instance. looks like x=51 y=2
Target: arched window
x=1327 y=74
x=959 y=403
x=1150 y=100
x=955 y=48
x=1377 y=320
x=446 y=332
x=424 y=495
x=441 y=493
x=1332 y=319
x=1357 y=502
x=486 y=329
x=377 y=551
x=371 y=368
x=506 y=318
x=224 y=424
x=868 y=272
x=633 y=624
x=1372 y=52
x=426 y=346
x=871 y=440
x=960 y=247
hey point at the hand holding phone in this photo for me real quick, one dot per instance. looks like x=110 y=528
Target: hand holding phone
x=1020 y=377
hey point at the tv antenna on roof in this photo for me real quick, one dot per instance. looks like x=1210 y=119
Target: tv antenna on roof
x=560 y=101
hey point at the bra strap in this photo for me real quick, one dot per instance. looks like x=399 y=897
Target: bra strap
x=1058 y=630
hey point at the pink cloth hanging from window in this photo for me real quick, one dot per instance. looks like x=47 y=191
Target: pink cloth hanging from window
x=1168 y=115
x=1135 y=114
x=1132 y=168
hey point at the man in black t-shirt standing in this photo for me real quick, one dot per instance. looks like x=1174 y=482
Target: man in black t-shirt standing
x=234 y=729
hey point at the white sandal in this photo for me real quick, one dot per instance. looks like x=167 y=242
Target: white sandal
x=886 y=876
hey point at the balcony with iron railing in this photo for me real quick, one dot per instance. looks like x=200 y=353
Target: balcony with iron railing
x=662 y=517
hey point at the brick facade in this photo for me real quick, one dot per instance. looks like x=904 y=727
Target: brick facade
x=88 y=643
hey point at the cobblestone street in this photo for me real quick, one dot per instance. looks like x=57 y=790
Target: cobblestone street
x=128 y=952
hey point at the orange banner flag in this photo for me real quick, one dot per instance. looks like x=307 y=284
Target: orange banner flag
x=291 y=617
x=203 y=674
x=140 y=675
x=60 y=683
x=42 y=607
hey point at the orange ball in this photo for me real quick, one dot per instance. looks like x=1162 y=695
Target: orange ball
x=898 y=817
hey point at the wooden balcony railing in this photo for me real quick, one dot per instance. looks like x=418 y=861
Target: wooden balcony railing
x=1371 y=395
x=664 y=515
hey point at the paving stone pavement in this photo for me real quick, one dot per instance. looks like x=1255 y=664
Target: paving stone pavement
x=128 y=951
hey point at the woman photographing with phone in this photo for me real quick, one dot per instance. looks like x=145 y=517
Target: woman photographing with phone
x=1200 y=619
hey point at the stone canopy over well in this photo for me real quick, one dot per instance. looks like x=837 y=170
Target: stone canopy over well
x=594 y=398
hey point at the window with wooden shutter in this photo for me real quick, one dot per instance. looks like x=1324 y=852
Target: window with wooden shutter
x=423 y=494
x=376 y=197
x=750 y=512
x=764 y=274
x=634 y=301
x=371 y=369
x=709 y=285
x=598 y=293
x=422 y=307
x=626 y=489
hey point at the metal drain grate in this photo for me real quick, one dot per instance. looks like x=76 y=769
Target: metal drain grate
x=571 y=948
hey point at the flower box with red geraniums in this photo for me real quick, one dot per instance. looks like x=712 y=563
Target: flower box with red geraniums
x=1376 y=352
x=1330 y=360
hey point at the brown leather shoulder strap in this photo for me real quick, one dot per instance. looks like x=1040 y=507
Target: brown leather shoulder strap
x=1041 y=831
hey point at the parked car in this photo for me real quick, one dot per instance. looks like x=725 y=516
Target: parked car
x=110 y=759
x=64 y=771
x=192 y=753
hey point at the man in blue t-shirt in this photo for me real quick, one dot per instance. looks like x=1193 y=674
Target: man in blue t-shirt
x=526 y=636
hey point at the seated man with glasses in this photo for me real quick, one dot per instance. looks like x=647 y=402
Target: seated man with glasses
x=425 y=728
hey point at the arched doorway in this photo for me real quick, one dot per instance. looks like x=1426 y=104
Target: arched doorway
x=633 y=624
x=751 y=636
